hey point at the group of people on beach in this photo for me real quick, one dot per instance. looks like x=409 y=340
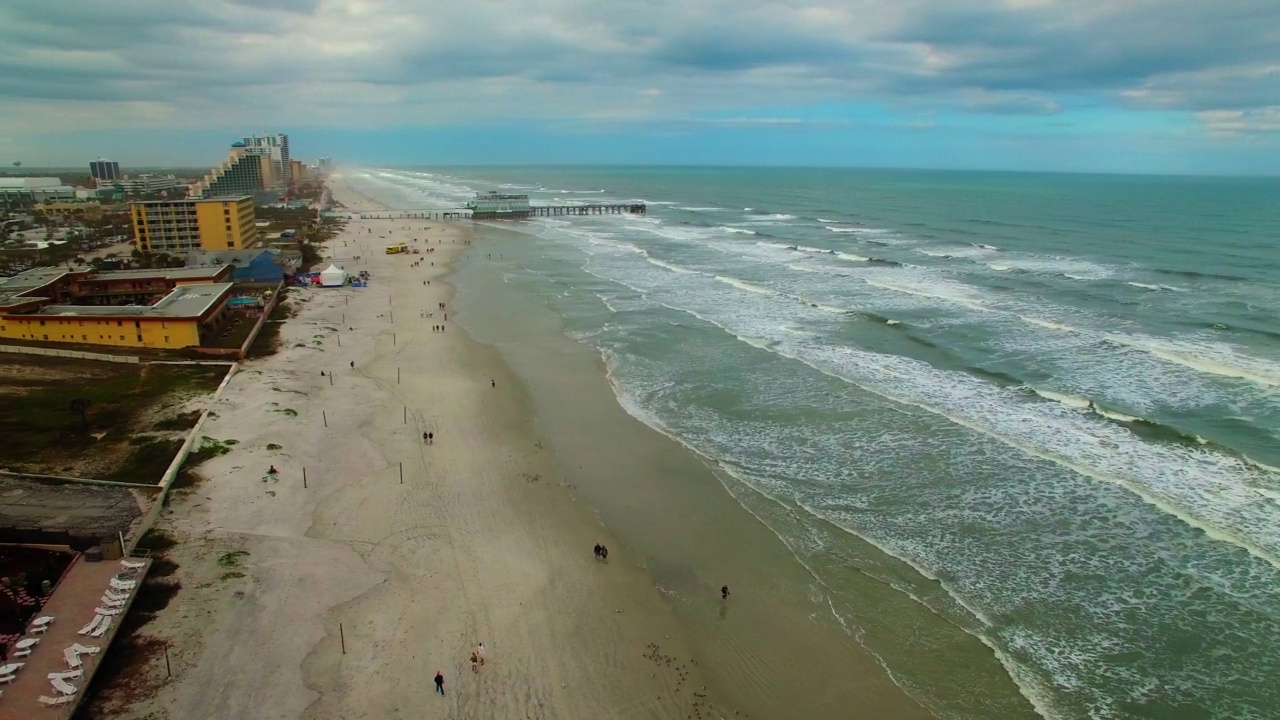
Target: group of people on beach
x=477 y=660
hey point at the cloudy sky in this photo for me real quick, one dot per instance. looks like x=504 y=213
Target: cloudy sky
x=1180 y=86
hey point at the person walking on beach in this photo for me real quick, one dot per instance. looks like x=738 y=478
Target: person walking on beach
x=724 y=592
x=493 y=383
x=431 y=438
x=353 y=364
x=474 y=667
x=439 y=682
x=480 y=652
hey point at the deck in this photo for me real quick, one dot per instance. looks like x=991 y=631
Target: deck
x=71 y=605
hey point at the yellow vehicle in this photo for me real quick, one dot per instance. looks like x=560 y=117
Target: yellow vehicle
x=397 y=249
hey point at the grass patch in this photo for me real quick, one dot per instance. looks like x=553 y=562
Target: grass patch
x=148 y=461
x=232 y=559
x=43 y=435
x=273 y=446
x=287 y=411
x=184 y=421
x=231 y=575
x=157 y=541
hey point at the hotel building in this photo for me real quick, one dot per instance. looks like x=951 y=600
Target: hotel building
x=276 y=148
x=179 y=226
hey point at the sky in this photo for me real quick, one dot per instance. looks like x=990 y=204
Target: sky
x=1142 y=86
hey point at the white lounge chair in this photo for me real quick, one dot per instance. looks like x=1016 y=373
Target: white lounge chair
x=114 y=595
x=85 y=649
x=72 y=658
x=119 y=584
x=42 y=621
x=24 y=652
x=93 y=625
x=133 y=565
x=107 y=611
x=67 y=674
x=6 y=679
x=54 y=702
x=63 y=686
x=108 y=602
x=102 y=628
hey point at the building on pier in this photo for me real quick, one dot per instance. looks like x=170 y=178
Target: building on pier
x=499 y=206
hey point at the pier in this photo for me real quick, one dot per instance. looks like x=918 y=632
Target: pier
x=515 y=213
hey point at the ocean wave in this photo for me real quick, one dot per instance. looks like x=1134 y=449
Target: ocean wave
x=737 y=230
x=701 y=209
x=983 y=246
x=1146 y=286
x=852 y=258
x=672 y=267
x=999 y=268
x=773 y=216
x=1197 y=275
x=744 y=285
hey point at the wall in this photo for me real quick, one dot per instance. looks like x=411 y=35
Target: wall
x=52 y=352
x=171 y=333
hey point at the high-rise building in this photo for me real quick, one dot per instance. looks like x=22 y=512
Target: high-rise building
x=103 y=170
x=325 y=163
x=241 y=173
x=276 y=147
x=179 y=226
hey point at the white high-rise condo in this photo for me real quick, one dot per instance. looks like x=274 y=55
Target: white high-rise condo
x=276 y=147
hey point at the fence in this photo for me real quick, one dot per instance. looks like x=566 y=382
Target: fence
x=52 y=352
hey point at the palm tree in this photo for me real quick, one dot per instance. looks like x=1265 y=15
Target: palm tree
x=81 y=406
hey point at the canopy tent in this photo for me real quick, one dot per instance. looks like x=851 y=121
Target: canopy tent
x=333 y=276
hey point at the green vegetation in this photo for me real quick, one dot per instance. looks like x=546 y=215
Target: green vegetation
x=232 y=559
x=273 y=446
x=231 y=575
x=287 y=411
x=115 y=401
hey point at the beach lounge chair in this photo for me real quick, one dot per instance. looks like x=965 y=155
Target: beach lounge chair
x=67 y=675
x=6 y=679
x=102 y=627
x=54 y=702
x=63 y=686
x=119 y=584
x=116 y=595
x=133 y=565
x=41 y=623
x=106 y=611
x=24 y=652
x=85 y=649
x=93 y=625
x=107 y=601
x=72 y=658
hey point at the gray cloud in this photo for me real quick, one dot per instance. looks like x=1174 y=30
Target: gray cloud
x=432 y=60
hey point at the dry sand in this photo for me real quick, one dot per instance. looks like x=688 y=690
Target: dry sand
x=481 y=542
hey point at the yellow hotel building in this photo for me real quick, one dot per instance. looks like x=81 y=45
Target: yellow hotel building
x=180 y=226
x=35 y=306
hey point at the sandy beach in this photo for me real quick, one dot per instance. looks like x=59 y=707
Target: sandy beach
x=480 y=543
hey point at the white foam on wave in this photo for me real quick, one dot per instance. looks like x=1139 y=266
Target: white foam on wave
x=999 y=268
x=936 y=290
x=1067 y=399
x=1115 y=415
x=851 y=257
x=1215 y=359
x=737 y=230
x=892 y=322
x=701 y=209
x=1144 y=286
x=773 y=216
x=744 y=285
x=671 y=267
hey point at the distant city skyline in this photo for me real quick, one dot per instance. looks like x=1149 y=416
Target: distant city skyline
x=1050 y=85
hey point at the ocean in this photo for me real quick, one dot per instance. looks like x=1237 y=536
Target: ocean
x=1044 y=407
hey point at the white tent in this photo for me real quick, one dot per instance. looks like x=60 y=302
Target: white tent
x=333 y=276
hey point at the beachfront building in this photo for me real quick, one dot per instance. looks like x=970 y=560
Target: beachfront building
x=241 y=173
x=187 y=316
x=179 y=226
x=495 y=205
x=258 y=265
x=143 y=183
x=104 y=171
x=275 y=147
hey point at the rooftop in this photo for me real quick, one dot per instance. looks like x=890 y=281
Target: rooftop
x=33 y=278
x=186 y=301
x=177 y=201
x=182 y=273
